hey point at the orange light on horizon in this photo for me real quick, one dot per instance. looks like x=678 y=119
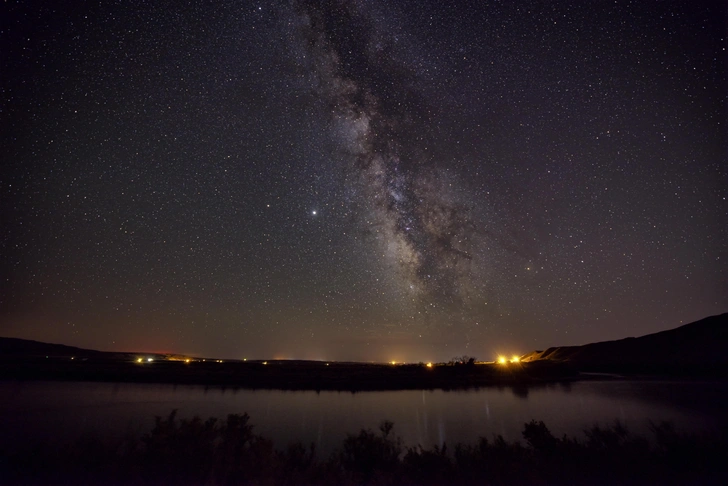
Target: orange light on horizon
x=502 y=360
x=429 y=365
x=515 y=359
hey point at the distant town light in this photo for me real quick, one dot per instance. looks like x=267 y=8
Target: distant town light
x=149 y=360
x=515 y=359
x=502 y=360
x=429 y=365
x=139 y=360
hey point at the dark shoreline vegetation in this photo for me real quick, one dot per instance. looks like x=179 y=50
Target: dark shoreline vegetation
x=228 y=452
x=322 y=376
x=691 y=351
x=284 y=375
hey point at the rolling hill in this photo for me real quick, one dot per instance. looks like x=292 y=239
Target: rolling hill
x=28 y=348
x=696 y=347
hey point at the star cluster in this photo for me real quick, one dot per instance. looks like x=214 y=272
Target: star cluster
x=362 y=180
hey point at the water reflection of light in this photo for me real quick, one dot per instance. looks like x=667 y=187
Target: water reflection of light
x=458 y=416
x=441 y=431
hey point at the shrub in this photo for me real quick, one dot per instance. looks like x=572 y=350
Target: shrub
x=193 y=451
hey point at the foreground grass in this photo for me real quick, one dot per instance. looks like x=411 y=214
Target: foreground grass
x=227 y=452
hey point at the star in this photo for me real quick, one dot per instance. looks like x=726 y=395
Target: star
x=437 y=167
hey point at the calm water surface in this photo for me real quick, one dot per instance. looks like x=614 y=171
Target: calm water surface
x=58 y=412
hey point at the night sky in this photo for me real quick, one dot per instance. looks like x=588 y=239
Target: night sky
x=364 y=180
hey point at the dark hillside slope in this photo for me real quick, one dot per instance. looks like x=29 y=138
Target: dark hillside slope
x=698 y=347
x=28 y=348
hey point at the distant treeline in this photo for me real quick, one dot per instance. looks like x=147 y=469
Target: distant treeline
x=227 y=452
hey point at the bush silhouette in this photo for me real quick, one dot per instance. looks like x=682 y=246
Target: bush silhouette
x=539 y=437
x=215 y=452
x=367 y=454
x=422 y=466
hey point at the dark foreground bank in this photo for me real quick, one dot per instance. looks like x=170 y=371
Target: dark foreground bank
x=228 y=452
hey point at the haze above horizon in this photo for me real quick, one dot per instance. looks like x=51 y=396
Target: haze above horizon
x=368 y=181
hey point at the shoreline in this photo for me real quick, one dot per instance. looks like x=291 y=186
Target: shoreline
x=285 y=375
x=313 y=376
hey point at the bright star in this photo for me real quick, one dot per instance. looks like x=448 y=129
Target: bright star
x=313 y=212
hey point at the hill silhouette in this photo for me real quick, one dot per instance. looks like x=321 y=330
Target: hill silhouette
x=692 y=350
x=698 y=347
x=29 y=348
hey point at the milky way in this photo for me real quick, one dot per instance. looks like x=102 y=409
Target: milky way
x=424 y=228
x=361 y=180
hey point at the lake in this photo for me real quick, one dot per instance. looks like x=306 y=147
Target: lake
x=59 y=412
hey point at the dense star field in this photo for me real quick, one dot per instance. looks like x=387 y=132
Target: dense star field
x=361 y=180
